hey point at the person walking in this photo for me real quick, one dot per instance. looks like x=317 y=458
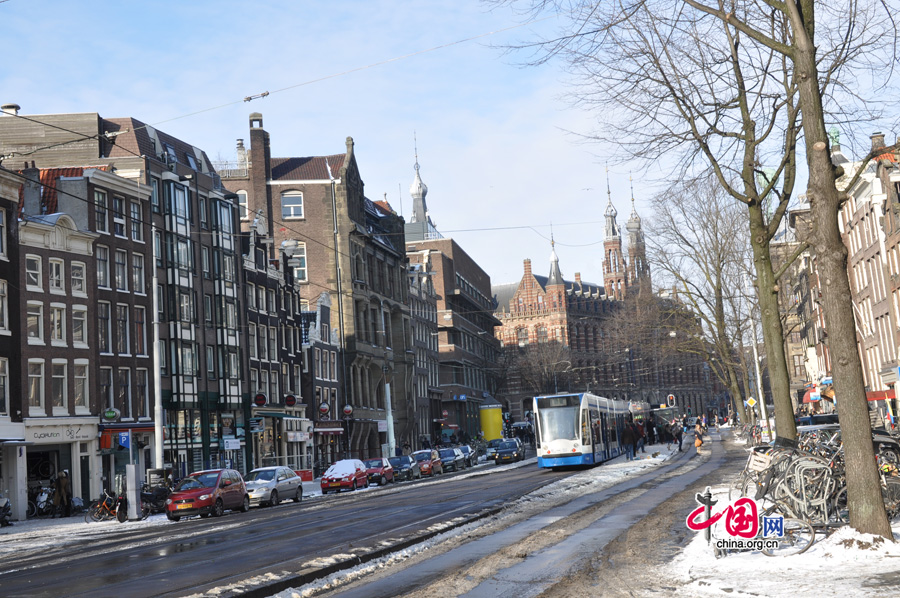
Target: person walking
x=698 y=435
x=61 y=499
x=641 y=437
x=628 y=441
x=678 y=433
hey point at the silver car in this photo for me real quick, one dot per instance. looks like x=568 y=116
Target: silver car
x=269 y=485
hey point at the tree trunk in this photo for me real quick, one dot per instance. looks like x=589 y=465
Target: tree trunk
x=864 y=498
x=773 y=332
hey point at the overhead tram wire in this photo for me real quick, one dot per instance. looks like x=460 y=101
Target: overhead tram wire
x=251 y=97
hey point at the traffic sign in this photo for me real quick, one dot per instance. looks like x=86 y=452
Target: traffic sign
x=751 y=401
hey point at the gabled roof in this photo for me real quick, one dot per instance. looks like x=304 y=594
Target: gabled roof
x=49 y=195
x=138 y=140
x=312 y=168
x=503 y=293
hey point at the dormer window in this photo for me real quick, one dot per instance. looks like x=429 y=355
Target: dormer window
x=171 y=156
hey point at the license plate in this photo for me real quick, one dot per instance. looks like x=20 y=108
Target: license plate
x=184 y=506
x=333 y=484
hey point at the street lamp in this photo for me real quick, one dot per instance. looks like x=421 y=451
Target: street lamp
x=348 y=414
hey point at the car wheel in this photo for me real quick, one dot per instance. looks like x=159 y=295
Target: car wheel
x=352 y=488
x=204 y=515
x=219 y=508
x=367 y=483
x=273 y=498
x=299 y=495
x=245 y=506
x=173 y=517
x=324 y=492
x=382 y=481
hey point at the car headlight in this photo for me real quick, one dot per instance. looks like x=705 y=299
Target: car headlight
x=168 y=501
x=204 y=497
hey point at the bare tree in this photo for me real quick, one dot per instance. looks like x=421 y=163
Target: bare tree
x=697 y=241
x=720 y=85
x=542 y=368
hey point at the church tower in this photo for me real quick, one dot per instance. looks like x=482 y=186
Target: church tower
x=638 y=268
x=614 y=275
x=420 y=227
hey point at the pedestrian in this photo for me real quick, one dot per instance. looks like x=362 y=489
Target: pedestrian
x=678 y=433
x=641 y=437
x=61 y=499
x=698 y=436
x=627 y=439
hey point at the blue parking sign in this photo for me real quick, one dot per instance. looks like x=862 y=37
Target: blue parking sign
x=125 y=439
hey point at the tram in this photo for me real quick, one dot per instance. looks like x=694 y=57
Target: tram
x=580 y=428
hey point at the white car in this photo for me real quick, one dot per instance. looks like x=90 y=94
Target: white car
x=270 y=485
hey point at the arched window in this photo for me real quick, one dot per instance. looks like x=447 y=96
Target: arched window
x=291 y=204
x=243 y=205
x=542 y=334
x=522 y=336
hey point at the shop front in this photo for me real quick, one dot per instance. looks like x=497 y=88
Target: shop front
x=62 y=444
x=13 y=466
x=124 y=444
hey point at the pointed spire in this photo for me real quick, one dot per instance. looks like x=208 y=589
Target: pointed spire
x=555 y=274
x=418 y=190
x=634 y=221
x=612 y=230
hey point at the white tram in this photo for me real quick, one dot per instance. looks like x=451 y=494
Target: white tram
x=580 y=428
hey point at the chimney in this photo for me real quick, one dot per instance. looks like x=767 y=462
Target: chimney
x=578 y=277
x=10 y=109
x=241 y=154
x=877 y=140
x=527 y=267
x=32 y=191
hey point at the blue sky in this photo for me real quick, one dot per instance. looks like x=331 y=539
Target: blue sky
x=492 y=135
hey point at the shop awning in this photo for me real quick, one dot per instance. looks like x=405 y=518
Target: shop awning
x=328 y=431
x=880 y=395
x=279 y=415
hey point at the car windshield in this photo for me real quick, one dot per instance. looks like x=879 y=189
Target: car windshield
x=341 y=468
x=396 y=462
x=422 y=456
x=465 y=449
x=447 y=453
x=198 y=480
x=261 y=475
x=508 y=445
x=374 y=463
x=494 y=443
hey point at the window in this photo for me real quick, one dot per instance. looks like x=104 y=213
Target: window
x=124 y=382
x=33 y=272
x=188 y=360
x=122 y=345
x=119 y=216
x=234 y=365
x=157 y=248
x=36 y=383
x=2 y=234
x=251 y=297
x=154 y=194
x=263 y=342
x=185 y=307
x=141 y=396
x=57 y=274
x=163 y=356
x=318 y=363
x=181 y=201
x=204 y=257
x=137 y=224
x=104 y=327
x=204 y=219
x=210 y=362
x=102 y=266
x=79 y=326
x=160 y=304
x=243 y=206
x=334 y=375
x=34 y=322
x=4 y=306
x=121 y=270
x=225 y=216
x=4 y=386
x=137 y=273
x=208 y=310
x=298 y=262
x=106 y=388
x=58 y=385
x=273 y=343
x=228 y=267
x=291 y=204
x=231 y=316
x=58 y=325
x=140 y=330
x=100 y=208
x=272 y=308
x=76 y=276
x=80 y=374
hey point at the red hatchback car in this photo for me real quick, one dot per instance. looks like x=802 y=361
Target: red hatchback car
x=429 y=462
x=346 y=473
x=208 y=493
x=380 y=471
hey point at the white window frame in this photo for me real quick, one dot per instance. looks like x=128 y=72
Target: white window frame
x=104 y=332
x=109 y=398
x=301 y=273
x=58 y=324
x=35 y=407
x=79 y=313
x=119 y=217
x=101 y=211
x=4 y=309
x=123 y=392
x=102 y=266
x=36 y=339
x=4 y=386
x=251 y=340
x=140 y=330
x=3 y=255
x=137 y=224
x=294 y=210
x=141 y=381
x=123 y=327
x=121 y=270
x=79 y=284
x=243 y=204
x=138 y=282
x=34 y=276
x=56 y=276
x=81 y=373
x=62 y=409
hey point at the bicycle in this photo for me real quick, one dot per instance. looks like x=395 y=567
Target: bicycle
x=796 y=538
x=108 y=507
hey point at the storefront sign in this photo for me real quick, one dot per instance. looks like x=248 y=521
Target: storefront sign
x=297 y=436
x=60 y=434
x=257 y=424
x=110 y=415
x=232 y=444
x=382 y=425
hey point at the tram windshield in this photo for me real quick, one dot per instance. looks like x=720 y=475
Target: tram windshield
x=558 y=417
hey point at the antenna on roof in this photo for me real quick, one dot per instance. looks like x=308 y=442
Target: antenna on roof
x=608 y=192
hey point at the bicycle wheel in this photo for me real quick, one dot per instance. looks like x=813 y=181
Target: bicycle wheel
x=891 y=494
x=798 y=536
x=31 y=509
x=93 y=513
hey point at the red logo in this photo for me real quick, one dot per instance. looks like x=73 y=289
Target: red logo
x=741 y=518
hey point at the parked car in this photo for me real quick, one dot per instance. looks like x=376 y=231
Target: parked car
x=429 y=462
x=452 y=459
x=379 y=471
x=405 y=468
x=268 y=485
x=469 y=453
x=207 y=493
x=509 y=451
x=491 y=450
x=346 y=473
